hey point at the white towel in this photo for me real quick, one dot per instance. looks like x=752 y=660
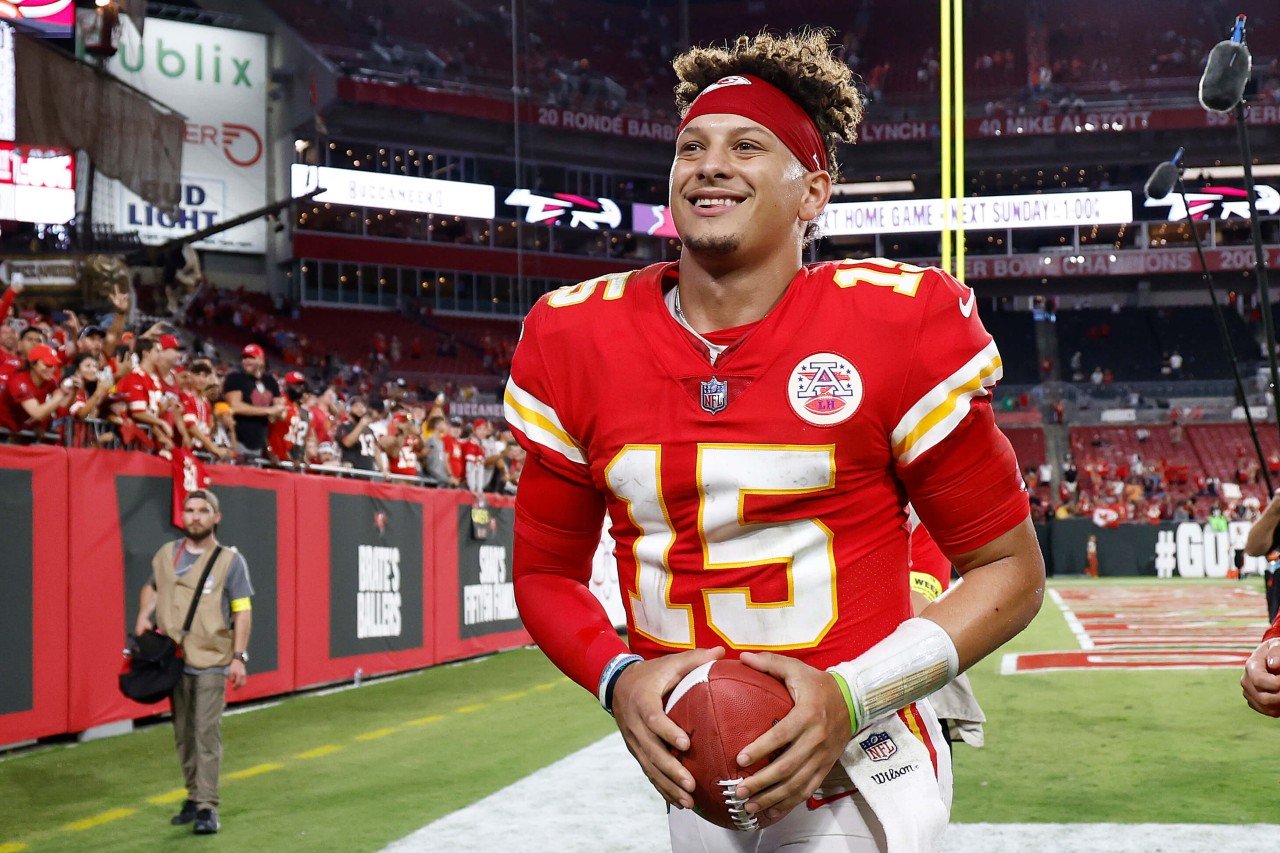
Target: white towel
x=894 y=771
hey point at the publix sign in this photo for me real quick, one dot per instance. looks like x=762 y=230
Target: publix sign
x=1198 y=551
x=218 y=79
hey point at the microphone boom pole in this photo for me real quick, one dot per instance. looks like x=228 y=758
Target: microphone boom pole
x=1260 y=263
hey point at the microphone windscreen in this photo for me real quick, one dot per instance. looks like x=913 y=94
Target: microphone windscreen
x=1225 y=76
x=1161 y=182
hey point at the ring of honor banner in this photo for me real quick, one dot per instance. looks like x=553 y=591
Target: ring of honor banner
x=365 y=602
x=33 y=611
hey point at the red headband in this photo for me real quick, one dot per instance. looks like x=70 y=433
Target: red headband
x=751 y=97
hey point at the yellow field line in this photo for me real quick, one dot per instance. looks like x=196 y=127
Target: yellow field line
x=513 y=696
x=97 y=820
x=320 y=751
x=168 y=797
x=376 y=733
x=256 y=770
x=423 y=721
x=467 y=709
x=12 y=847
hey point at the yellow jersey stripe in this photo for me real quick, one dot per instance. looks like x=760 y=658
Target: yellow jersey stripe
x=939 y=411
x=540 y=424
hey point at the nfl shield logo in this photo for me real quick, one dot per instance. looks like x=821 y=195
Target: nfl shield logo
x=715 y=395
x=879 y=746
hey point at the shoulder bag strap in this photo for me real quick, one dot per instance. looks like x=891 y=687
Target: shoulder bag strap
x=195 y=599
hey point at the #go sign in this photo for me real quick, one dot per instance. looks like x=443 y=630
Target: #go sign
x=37 y=184
x=914 y=216
x=218 y=78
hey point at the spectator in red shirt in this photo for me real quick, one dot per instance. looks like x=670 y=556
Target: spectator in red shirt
x=197 y=410
x=91 y=383
x=287 y=434
x=146 y=391
x=29 y=337
x=453 y=449
x=30 y=398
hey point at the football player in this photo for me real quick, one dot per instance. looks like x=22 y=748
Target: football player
x=754 y=429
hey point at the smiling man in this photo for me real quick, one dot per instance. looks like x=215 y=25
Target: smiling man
x=755 y=429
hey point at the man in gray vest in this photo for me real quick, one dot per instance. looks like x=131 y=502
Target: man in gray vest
x=214 y=650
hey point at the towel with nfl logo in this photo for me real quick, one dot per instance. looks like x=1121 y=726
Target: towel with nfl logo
x=902 y=767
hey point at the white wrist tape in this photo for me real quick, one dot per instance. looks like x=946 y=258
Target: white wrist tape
x=909 y=664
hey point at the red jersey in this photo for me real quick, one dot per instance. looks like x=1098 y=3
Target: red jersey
x=930 y=568
x=453 y=455
x=16 y=390
x=406 y=461
x=758 y=500
x=10 y=363
x=197 y=414
x=321 y=424
x=143 y=391
x=288 y=432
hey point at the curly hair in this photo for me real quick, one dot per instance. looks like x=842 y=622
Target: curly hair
x=800 y=64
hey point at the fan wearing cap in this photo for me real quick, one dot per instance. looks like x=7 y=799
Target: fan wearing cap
x=29 y=398
x=755 y=428
x=254 y=397
x=287 y=434
x=152 y=398
x=197 y=409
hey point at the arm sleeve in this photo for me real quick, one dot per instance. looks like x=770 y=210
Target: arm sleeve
x=557 y=529
x=6 y=303
x=238 y=584
x=959 y=470
x=559 y=513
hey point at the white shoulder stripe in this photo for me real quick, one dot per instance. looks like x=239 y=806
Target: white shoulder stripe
x=944 y=406
x=540 y=423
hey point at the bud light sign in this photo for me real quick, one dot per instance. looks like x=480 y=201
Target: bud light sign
x=218 y=78
x=202 y=206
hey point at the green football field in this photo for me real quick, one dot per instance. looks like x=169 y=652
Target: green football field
x=356 y=769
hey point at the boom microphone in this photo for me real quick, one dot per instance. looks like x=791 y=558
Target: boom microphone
x=1163 y=179
x=1227 y=72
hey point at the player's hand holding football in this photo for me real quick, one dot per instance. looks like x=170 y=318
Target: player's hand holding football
x=807 y=741
x=638 y=707
x=1261 y=680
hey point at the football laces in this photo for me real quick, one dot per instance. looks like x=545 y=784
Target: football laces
x=737 y=806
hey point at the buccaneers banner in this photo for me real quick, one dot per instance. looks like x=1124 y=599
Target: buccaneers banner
x=474 y=593
x=33 y=575
x=364 y=600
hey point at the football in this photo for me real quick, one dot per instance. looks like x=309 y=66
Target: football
x=723 y=706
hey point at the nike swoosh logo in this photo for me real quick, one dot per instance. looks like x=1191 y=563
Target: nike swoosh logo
x=966 y=305
x=816 y=802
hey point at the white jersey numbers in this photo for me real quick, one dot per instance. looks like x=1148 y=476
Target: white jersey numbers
x=727 y=474
x=615 y=285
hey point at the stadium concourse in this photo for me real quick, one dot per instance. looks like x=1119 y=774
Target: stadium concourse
x=291 y=262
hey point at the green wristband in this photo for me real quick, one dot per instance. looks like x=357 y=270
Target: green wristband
x=848 y=700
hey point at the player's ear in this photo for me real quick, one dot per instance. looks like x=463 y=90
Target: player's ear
x=817 y=192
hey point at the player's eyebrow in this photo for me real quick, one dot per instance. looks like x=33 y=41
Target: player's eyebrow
x=733 y=131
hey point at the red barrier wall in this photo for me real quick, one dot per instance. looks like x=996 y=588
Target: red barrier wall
x=335 y=520
x=33 y=668
x=452 y=640
x=347 y=574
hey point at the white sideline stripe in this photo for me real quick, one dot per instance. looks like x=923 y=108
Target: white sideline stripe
x=613 y=808
x=1082 y=636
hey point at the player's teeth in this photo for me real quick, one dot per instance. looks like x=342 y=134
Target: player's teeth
x=716 y=202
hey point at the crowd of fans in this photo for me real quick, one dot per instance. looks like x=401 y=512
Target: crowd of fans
x=68 y=380
x=1140 y=489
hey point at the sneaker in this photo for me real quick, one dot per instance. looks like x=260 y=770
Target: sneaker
x=206 y=822
x=185 y=816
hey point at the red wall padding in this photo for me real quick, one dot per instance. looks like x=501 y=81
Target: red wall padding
x=365 y=576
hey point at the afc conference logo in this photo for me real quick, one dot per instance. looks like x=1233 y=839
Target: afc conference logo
x=824 y=389
x=879 y=746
